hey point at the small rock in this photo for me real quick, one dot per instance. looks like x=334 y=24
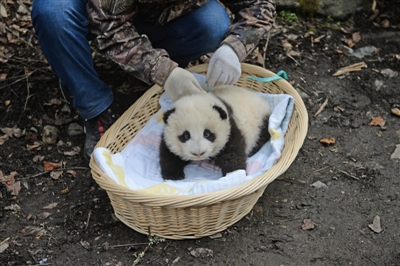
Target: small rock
x=50 y=134
x=364 y=51
x=378 y=84
x=396 y=153
x=218 y=235
x=376 y=225
x=319 y=184
x=74 y=129
x=308 y=224
x=201 y=252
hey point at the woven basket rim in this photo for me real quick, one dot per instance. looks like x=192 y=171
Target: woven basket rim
x=259 y=182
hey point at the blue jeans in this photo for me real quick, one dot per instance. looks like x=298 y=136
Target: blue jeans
x=62 y=30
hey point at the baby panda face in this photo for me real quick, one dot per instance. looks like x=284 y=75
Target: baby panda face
x=197 y=128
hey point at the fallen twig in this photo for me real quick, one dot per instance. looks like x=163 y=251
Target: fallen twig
x=321 y=108
x=291 y=57
x=129 y=245
x=351 y=68
x=18 y=80
x=352 y=176
x=265 y=49
x=27 y=88
x=4 y=241
x=322 y=168
x=88 y=219
x=59 y=169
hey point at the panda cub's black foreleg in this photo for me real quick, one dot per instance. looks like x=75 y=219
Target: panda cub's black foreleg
x=233 y=156
x=263 y=138
x=171 y=165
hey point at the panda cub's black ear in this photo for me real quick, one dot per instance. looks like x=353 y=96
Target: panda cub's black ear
x=167 y=114
x=221 y=112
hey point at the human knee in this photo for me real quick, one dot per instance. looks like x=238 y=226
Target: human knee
x=213 y=33
x=56 y=15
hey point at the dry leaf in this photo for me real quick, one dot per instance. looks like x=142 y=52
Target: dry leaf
x=56 y=174
x=3 y=11
x=49 y=166
x=328 y=141
x=356 y=37
x=387 y=72
x=12 y=132
x=376 y=225
x=50 y=206
x=351 y=68
x=44 y=215
x=75 y=150
x=396 y=111
x=260 y=58
x=4 y=245
x=294 y=53
x=292 y=37
x=308 y=34
x=15 y=188
x=3 y=139
x=346 y=29
x=38 y=158
x=53 y=101
x=86 y=245
x=201 y=252
x=378 y=121
x=13 y=207
x=35 y=147
x=287 y=46
x=33 y=230
x=307 y=224
x=71 y=172
x=10 y=183
x=385 y=23
x=318 y=39
x=3 y=76
x=350 y=43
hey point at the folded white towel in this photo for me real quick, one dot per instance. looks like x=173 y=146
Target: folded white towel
x=137 y=165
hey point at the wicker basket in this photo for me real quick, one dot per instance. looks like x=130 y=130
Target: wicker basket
x=194 y=216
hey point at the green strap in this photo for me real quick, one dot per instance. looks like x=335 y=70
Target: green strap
x=281 y=74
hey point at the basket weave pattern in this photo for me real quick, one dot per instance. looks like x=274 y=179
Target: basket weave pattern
x=194 y=216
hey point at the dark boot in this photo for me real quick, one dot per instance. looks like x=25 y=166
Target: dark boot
x=95 y=128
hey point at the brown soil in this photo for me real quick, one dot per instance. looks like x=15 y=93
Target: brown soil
x=362 y=180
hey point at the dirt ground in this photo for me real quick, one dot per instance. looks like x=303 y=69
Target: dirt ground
x=68 y=220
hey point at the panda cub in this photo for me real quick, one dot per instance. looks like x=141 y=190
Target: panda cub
x=226 y=126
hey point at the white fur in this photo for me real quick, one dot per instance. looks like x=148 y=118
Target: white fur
x=195 y=113
x=249 y=110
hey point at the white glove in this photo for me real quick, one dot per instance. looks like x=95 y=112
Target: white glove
x=180 y=83
x=224 y=67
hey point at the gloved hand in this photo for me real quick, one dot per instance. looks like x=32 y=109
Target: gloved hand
x=224 y=67
x=180 y=83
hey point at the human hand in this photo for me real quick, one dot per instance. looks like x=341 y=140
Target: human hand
x=180 y=83
x=224 y=67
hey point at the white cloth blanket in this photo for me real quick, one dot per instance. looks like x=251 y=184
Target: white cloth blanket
x=137 y=165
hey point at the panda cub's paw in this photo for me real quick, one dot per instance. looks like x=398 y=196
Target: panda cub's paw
x=172 y=174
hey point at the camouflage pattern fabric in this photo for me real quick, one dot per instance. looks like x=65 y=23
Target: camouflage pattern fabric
x=110 y=21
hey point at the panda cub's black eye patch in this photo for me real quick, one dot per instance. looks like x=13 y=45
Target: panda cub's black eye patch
x=209 y=135
x=185 y=136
